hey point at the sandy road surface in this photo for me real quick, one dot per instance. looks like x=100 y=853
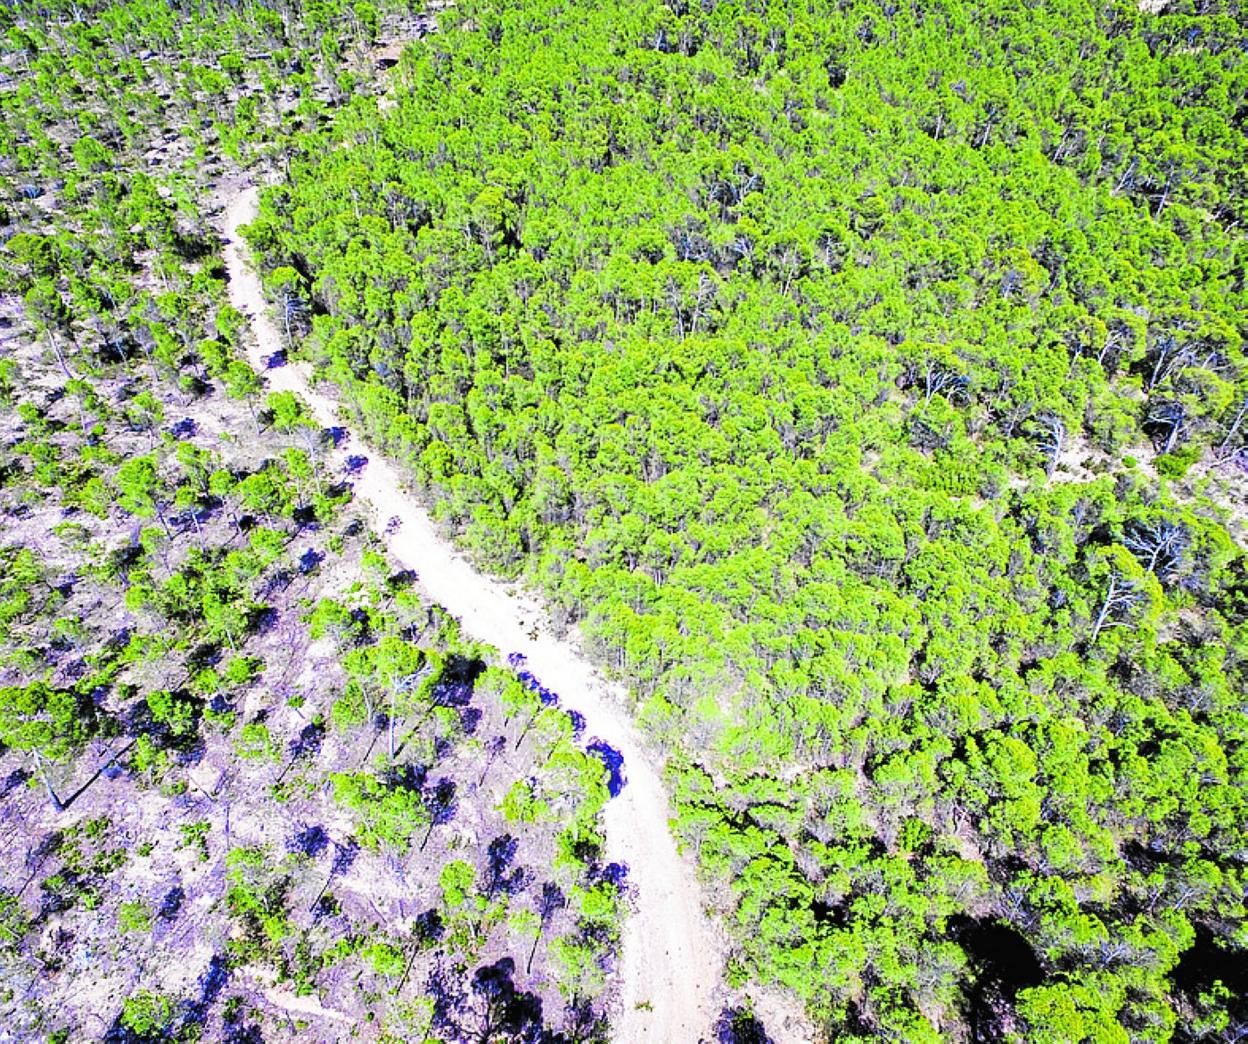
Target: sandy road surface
x=671 y=960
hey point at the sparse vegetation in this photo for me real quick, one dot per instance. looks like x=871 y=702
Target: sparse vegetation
x=173 y=710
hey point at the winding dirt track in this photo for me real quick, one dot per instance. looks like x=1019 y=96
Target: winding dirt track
x=671 y=960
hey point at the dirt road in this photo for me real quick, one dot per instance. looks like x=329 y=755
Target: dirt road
x=671 y=960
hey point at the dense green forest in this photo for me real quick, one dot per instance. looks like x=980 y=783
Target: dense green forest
x=253 y=785
x=867 y=379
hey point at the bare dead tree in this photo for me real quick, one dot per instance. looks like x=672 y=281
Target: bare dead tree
x=1170 y=183
x=1127 y=181
x=938 y=378
x=1160 y=545
x=1172 y=419
x=1234 y=428
x=61 y=804
x=1169 y=357
x=294 y=311
x=1052 y=440
x=406 y=684
x=1121 y=596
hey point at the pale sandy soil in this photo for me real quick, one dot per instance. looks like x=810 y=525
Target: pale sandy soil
x=672 y=956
